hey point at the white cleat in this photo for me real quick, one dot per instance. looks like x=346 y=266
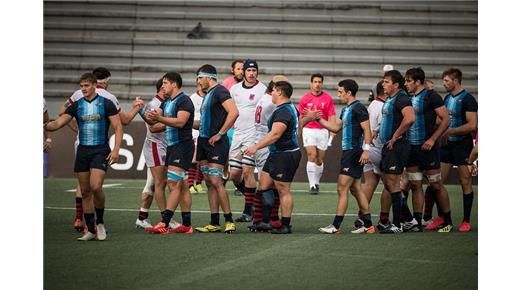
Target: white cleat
x=87 y=237
x=330 y=229
x=143 y=223
x=173 y=224
x=101 y=232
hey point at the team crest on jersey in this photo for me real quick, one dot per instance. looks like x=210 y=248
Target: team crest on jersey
x=345 y=121
x=251 y=97
x=385 y=110
x=99 y=104
x=322 y=105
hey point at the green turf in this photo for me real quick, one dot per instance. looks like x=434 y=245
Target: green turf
x=132 y=259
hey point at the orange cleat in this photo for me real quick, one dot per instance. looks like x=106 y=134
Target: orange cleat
x=465 y=227
x=436 y=223
x=159 y=228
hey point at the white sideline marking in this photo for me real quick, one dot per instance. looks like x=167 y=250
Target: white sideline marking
x=104 y=186
x=201 y=211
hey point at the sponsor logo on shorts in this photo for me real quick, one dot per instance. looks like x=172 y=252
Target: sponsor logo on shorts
x=432 y=163
x=177 y=161
x=392 y=167
x=279 y=175
x=214 y=158
x=346 y=169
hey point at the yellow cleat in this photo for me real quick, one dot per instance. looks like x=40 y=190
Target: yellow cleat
x=193 y=190
x=198 y=188
x=230 y=227
x=445 y=229
x=209 y=229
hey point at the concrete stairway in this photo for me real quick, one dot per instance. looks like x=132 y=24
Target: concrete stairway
x=139 y=41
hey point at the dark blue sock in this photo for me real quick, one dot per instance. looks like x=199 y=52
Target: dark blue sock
x=286 y=221
x=186 y=218
x=468 y=203
x=228 y=217
x=396 y=208
x=215 y=219
x=99 y=215
x=367 y=220
x=337 y=221
x=167 y=216
x=89 y=221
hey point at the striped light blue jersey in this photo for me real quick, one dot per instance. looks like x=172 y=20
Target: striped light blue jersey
x=457 y=107
x=212 y=113
x=92 y=118
x=171 y=108
x=392 y=115
x=287 y=114
x=351 y=118
x=424 y=105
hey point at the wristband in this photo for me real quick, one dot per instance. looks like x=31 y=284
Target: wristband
x=366 y=147
x=48 y=140
x=221 y=134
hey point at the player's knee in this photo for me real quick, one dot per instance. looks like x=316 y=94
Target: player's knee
x=95 y=189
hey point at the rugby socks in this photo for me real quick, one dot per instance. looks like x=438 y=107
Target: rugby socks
x=249 y=195
x=215 y=219
x=241 y=186
x=384 y=217
x=228 y=217
x=418 y=217
x=429 y=200
x=198 y=175
x=79 y=207
x=359 y=215
x=267 y=205
x=167 y=216
x=99 y=215
x=143 y=214
x=191 y=174
x=447 y=218
x=311 y=173
x=468 y=203
x=286 y=221
x=162 y=214
x=89 y=221
x=396 y=208
x=257 y=203
x=367 y=220
x=274 y=210
x=186 y=218
x=338 y=219
x=318 y=173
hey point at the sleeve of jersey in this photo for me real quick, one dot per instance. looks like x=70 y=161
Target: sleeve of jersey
x=436 y=100
x=282 y=116
x=469 y=104
x=186 y=105
x=361 y=113
x=110 y=108
x=222 y=95
x=402 y=102
x=71 y=110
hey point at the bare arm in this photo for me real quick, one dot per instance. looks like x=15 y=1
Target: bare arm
x=276 y=132
x=118 y=128
x=406 y=123
x=443 y=123
x=72 y=125
x=367 y=137
x=331 y=125
x=470 y=126
x=58 y=123
x=178 y=122
x=127 y=117
x=157 y=127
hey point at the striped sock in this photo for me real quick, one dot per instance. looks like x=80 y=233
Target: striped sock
x=191 y=174
x=257 y=203
x=79 y=207
x=249 y=193
x=274 y=210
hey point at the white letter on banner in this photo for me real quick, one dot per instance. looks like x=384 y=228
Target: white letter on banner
x=123 y=152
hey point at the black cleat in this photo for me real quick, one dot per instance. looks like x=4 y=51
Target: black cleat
x=282 y=230
x=317 y=186
x=314 y=191
x=243 y=218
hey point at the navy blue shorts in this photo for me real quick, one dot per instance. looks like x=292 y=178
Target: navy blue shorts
x=180 y=155
x=282 y=166
x=94 y=156
x=393 y=161
x=457 y=152
x=426 y=160
x=219 y=153
x=350 y=165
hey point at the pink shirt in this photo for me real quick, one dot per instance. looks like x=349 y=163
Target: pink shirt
x=323 y=103
x=229 y=82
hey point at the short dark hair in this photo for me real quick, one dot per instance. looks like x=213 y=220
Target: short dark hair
x=158 y=84
x=101 y=73
x=349 y=85
x=90 y=77
x=379 y=88
x=316 y=75
x=416 y=74
x=174 y=77
x=453 y=73
x=270 y=87
x=285 y=87
x=235 y=62
x=207 y=68
x=396 y=77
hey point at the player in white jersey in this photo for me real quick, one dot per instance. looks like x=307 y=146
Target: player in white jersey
x=154 y=151
x=103 y=76
x=194 y=174
x=246 y=95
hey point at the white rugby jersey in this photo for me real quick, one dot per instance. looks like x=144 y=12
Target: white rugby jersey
x=375 y=114
x=102 y=92
x=159 y=137
x=197 y=103
x=264 y=110
x=246 y=100
x=44 y=105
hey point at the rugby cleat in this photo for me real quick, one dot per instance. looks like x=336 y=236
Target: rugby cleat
x=193 y=190
x=435 y=224
x=330 y=229
x=78 y=225
x=465 y=227
x=88 y=236
x=412 y=225
x=363 y=229
x=244 y=218
x=181 y=229
x=143 y=223
x=392 y=229
x=230 y=228
x=198 y=188
x=282 y=230
x=313 y=190
x=276 y=223
x=173 y=224
x=101 y=233
x=209 y=229
x=382 y=226
x=445 y=229
x=358 y=223
x=159 y=228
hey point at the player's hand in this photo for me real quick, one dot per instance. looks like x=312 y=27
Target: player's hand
x=390 y=144
x=214 y=139
x=138 y=103
x=364 y=157
x=250 y=151
x=427 y=146
x=46 y=146
x=113 y=157
x=444 y=137
x=153 y=115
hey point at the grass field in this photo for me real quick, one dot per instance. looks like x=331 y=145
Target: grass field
x=133 y=259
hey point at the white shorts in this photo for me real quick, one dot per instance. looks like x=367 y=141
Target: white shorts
x=154 y=153
x=148 y=188
x=315 y=137
x=260 y=157
x=374 y=159
x=240 y=143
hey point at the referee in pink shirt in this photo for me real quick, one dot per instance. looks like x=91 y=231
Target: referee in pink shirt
x=315 y=137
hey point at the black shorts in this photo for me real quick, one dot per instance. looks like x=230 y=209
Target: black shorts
x=426 y=160
x=457 y=152
x=219 y=153
x=350 y=165
x=94 y=156
x=282 y=166
x=393 y=161
x=180 y=155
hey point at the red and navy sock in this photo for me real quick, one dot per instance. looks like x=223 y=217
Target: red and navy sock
x=249 y=194
x=186 y=218
x=468 y=203
x=276 y=206
x=143 y=214
x=384 y=217
x=89 y=221
x=99 y=215
x=359 y=214
x=191 y=174
x=429 y=200
x=79 y=207
x=257 y=203
x=198 y=175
